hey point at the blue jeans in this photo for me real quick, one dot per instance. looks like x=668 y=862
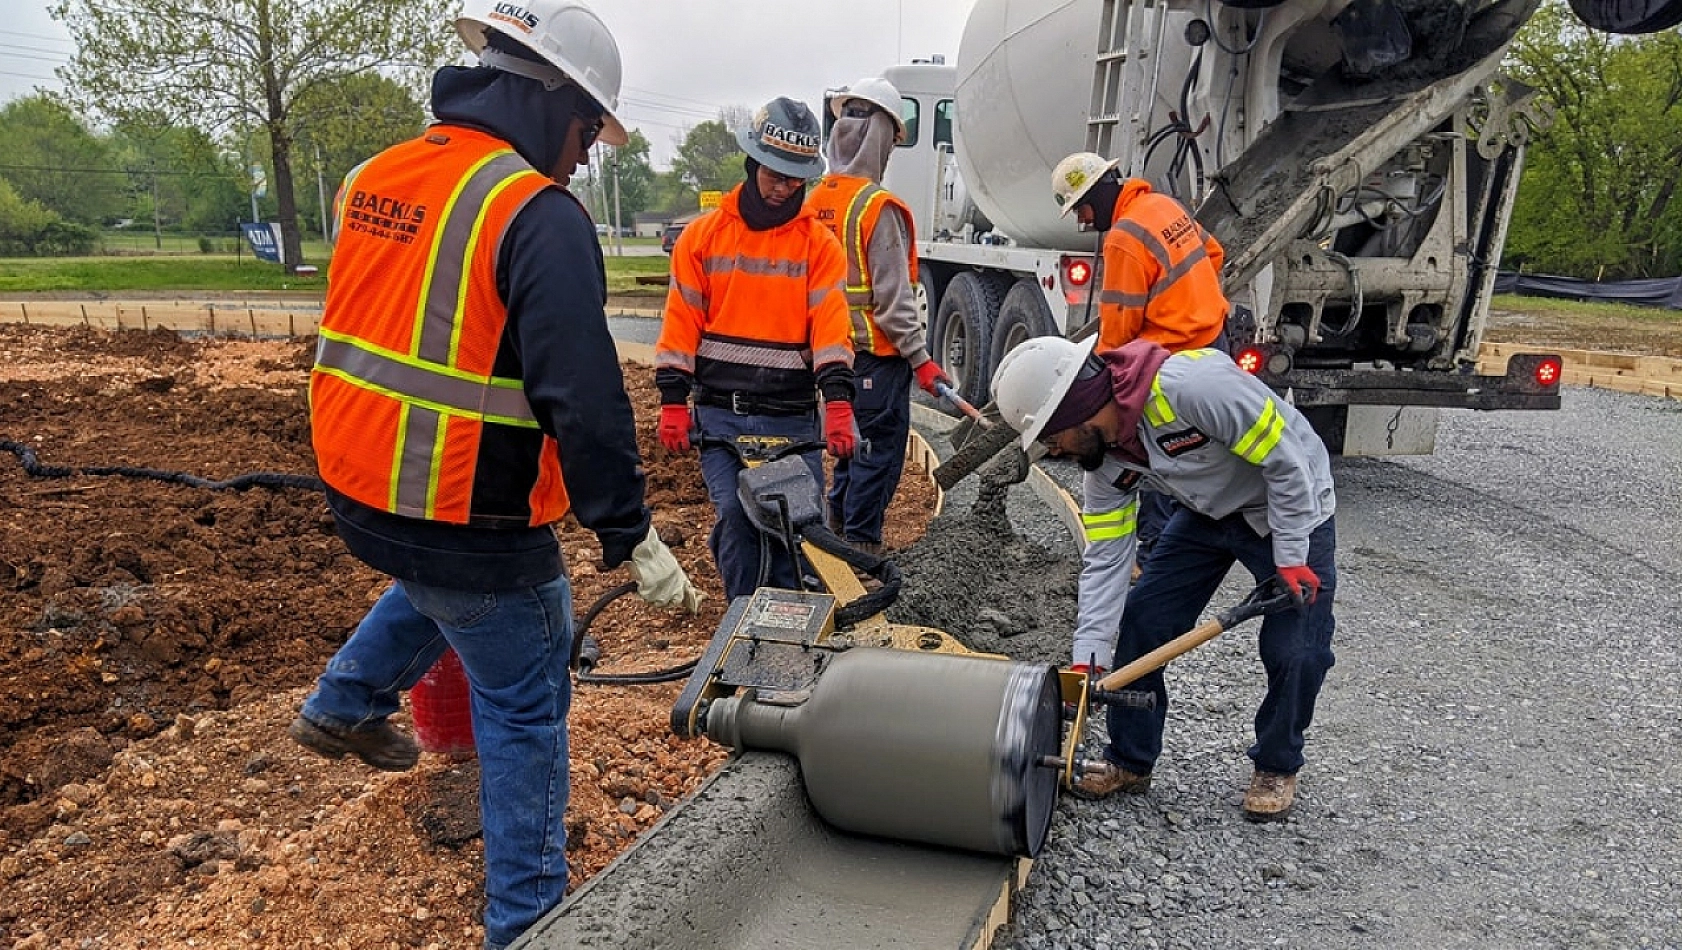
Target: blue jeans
x=514 y=646
x=1191 y=559
x=747 y=558
x=863 y=486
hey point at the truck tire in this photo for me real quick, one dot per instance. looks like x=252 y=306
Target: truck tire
x=1023 y=316
x=962 y=337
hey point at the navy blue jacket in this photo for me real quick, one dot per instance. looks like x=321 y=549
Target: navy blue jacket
x=550 y=275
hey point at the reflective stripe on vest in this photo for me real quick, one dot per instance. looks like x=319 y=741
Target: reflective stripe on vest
x=1111 y=525
x=426 y=381
x=861 y=299
x=1258 y=443
x=1171 y=272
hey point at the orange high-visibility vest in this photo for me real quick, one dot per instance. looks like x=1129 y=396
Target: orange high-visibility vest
x=850 y=206
x=1162 y=275
x=403 y=389
x=754 y=311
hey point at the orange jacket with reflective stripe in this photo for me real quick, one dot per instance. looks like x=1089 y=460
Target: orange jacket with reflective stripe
x=403 y=391
x=849 y=206
x=1162 y=275
x=755 y=311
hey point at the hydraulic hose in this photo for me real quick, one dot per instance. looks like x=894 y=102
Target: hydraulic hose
x=32 y=465
x=586 y=652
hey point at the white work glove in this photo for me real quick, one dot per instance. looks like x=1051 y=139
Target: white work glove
x=660 y=578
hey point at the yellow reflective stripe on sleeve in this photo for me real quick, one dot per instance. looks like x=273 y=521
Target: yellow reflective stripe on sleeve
x=1110 y=525
x=1157 y=411
x=1262 y=437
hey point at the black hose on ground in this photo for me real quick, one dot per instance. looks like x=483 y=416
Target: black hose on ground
x=586 y=652
x=32 y=465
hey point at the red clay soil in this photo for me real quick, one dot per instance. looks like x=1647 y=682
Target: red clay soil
x=156 y=638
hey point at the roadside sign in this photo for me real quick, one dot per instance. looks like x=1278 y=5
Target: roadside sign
x=264 y=238
x=711 y=199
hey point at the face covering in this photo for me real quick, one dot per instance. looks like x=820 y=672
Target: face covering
x=759 y=215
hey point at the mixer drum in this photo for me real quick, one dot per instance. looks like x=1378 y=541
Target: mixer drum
x=936 y=748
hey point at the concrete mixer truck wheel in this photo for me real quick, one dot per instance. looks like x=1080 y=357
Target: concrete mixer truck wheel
x=962 y=336
x=1023 y=316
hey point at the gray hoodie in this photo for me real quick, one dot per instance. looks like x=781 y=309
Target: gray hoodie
x=861 y=146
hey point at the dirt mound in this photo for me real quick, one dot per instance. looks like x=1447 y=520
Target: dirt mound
x=156 y=638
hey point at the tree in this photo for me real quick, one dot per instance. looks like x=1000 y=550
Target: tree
x=709 y=159
x=343 y=121
x=52 y=159
x=1598 y=186
x=232 y=65
x=178 y=177
x=627 y=168
x=29 y=228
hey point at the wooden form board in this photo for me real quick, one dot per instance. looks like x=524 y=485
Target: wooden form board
x=1623 y=372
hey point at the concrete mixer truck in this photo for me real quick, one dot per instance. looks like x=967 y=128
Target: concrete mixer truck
x=1357 y=159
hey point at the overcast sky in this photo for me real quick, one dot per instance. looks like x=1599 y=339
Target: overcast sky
x=684 y=59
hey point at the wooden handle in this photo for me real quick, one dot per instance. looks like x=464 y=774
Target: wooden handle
x=1159 y=657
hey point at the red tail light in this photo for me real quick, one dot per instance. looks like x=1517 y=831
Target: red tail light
x=1549 y=370
x=1075 y=273
x=1250 y=359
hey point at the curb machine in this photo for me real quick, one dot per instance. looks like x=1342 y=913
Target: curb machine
x=901 y=732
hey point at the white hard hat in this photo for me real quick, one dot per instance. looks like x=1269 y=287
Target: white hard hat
x=1033 y=378
x=566 y=34
x=1074 y=177
x=877 y=92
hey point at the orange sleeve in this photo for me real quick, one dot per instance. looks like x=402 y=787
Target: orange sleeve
x=831 y=328
x=686 y=297
x=1128 y=278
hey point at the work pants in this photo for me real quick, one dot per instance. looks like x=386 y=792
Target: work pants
x=514 y=645
x=748 y=558
x=864 y=485
x=1191 y=560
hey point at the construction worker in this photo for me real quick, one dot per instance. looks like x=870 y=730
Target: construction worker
x=889 y=346
x=755 y=330
x=1253 y=485
x=1161 y=276
x=466 y=396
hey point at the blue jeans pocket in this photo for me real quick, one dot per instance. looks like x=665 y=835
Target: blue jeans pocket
x=451 y=608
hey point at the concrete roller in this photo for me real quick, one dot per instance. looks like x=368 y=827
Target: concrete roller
x=936 y=748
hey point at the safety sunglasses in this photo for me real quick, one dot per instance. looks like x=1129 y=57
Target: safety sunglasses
x=787 y=181
x=593 y=125
x=858 y=112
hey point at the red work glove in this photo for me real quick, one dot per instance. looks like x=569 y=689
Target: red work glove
x=674 y=427
x=838 y=429
x=930 y=373
x=1302 y=582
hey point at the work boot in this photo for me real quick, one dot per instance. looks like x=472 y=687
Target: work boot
x=1270 y=796
x=1106 y=778
x=872 y=548
x=380 y=745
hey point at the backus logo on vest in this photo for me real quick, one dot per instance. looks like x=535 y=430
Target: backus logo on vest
x=387 y=218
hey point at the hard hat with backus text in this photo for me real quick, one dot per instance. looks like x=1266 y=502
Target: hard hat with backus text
x=785 y=137
x=565 y=34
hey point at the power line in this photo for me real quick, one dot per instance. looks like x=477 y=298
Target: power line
x=38 y=36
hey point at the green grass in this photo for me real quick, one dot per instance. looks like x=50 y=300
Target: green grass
x=1584 y=308
x=138 y=268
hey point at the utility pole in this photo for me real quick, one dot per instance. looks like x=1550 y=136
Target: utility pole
x=157 y=224
x=618 y=242
x=321 y=197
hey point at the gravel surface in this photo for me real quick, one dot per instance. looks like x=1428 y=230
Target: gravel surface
x=1494 y=763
